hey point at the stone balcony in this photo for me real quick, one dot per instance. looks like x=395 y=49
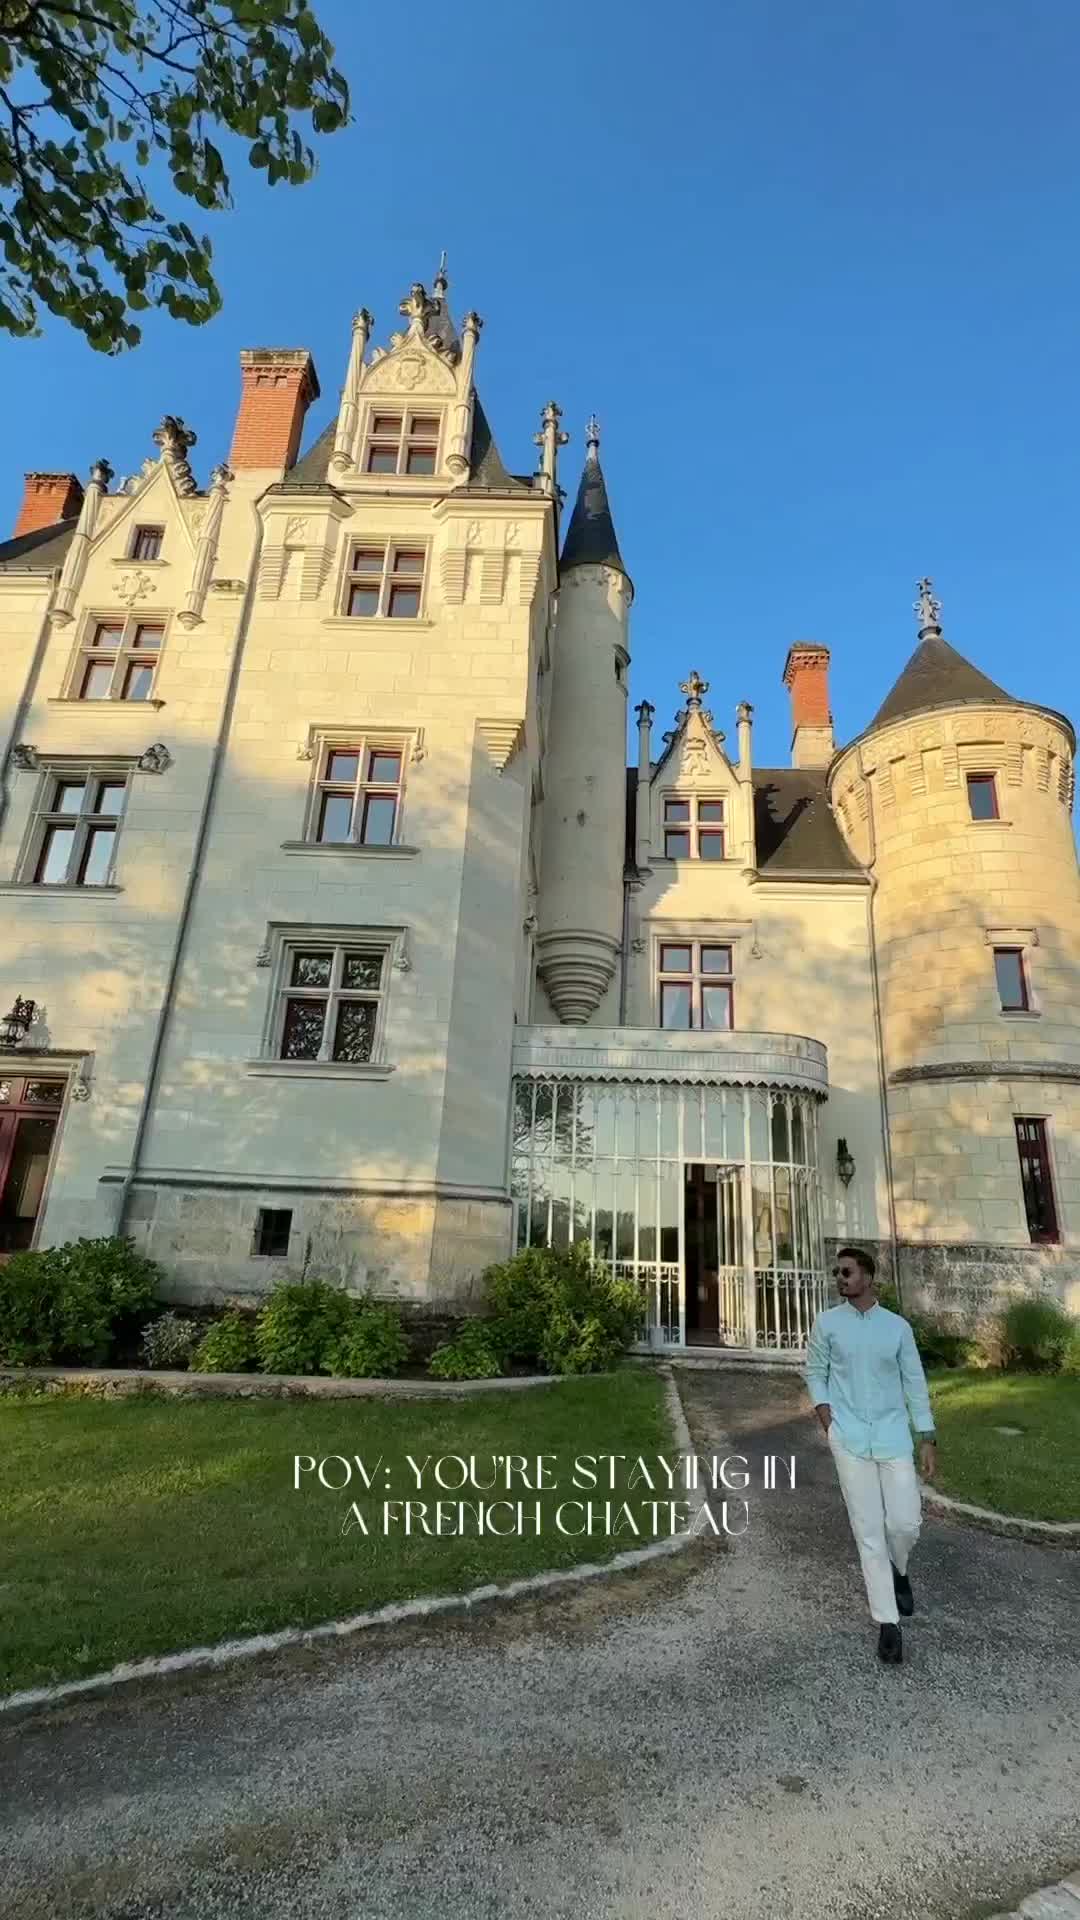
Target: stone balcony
x=738 y=1059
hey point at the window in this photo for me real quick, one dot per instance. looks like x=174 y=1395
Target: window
x=982 y=796
x=1011 y=980
x=117 y=662
x=693 y=828
x=1035 y=1176
x=402 y=443
x=385 y=582
x=73 y=841
x=358 y=794
x=330 y=1002
x=146 y=543
x=696 y=985
x=273 y=1226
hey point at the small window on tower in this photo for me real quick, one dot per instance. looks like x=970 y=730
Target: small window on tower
x=146 y=543
x=273 y=1225
x=982 y=796
x=1011 y=980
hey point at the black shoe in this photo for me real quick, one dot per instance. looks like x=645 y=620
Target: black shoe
x=890 y=1645
x=905 y=1599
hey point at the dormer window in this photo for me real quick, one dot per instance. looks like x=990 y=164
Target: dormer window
x=693 y=828
x=402 y=443
x=146 y=543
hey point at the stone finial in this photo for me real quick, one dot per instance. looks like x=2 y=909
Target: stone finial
x=441 y=282
x=417 y=309
x=693 y=687
x=101 y=475
x=644 y=711
x=176 y=441
x=592 y=438
x=549 y=439
x=928 y=608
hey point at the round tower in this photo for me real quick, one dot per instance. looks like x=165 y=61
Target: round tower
x=584 y=835
x=958 y=798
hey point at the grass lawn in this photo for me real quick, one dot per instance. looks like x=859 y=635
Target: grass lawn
x=135 y=1527
x=1035 y=1472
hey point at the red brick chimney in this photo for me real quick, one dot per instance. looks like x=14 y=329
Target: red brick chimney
x=806 y=672
x=47 y=498
x=278 y=385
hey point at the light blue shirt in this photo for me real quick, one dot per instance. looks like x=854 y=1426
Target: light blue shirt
x=866 y=1367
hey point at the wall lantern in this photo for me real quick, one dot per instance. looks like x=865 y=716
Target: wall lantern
x=16 y=1025
x=845 y=1164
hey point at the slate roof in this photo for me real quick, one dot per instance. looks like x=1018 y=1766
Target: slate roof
x=486 y=469
x=794 y=826
x=938 y=676
x=44 y=548
x=590 y=537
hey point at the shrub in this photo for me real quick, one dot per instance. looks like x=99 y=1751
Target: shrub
x=300 y=1325
x=227 y=1347
x=939 y=1344
x=69 y=1303
x=372 y=1346
x=170 y=1341
x=560 y=1309
x=1070 y=1359
x=1036 y=1335
x=470 y=1355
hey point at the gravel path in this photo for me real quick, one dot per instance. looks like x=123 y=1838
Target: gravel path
x=711 y=1737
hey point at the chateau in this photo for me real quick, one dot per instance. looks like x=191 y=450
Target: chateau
x=339 y=937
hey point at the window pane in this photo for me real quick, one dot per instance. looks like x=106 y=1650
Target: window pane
x=96 y=680
x=716 y=1008
x=710 y=810
x=420 y=460
x=148 y=636
x=110 y=796
x=354 y=1035
x=97 y=854
x=382 y=460
x=302 y=1034
x=69 y=796
x=424 y=424
x=386 y=426
x=364 y=600
x=107 y=636
x=677 y=846
x=311 y=969
x=982 y=796
x=342 y=764
x=147 y=543
x=137 y=682
x=335 y=816
x=408 y=561
x=378 y=827
x=404 y=603
x=674 y=959
x=384 y=768
x=674 y=1005
x=56 y=847
x=780 y=1131
x=367 y=559
x=710 y=846
x=1034 y=1152
x=362 y=970
x=1009 y=968
x=716 y=959
x=676 y=809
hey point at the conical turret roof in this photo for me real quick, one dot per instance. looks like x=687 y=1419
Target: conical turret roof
x=591 y=540
x=936 y=675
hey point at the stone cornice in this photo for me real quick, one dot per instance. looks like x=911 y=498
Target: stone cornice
x=987 y=1070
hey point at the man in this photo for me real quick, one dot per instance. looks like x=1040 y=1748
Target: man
x=865 y=1377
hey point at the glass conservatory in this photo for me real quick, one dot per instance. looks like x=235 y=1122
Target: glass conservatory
x=707 y=1195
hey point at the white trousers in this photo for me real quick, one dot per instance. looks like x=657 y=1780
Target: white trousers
x=882 y=1499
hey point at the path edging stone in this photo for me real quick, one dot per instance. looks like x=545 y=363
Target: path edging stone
x=1048 y=1533
x=193 y=1659
x=121 y=1382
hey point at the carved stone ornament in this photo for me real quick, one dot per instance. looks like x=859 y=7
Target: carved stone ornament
x=419 y=750
x=638 y=945
x=402 y=961
x=501 y=738
x=296 y=529
x=80 y=1088
x=5 y=1092
x=156 y=759
x=176 y=441
x=134 y=586
x=262 y=958
x=305 y=750
x=25 y=757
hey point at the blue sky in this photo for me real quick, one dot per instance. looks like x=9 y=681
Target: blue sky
x=815 y=267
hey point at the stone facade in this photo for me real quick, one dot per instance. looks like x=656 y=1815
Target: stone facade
x=537 y=910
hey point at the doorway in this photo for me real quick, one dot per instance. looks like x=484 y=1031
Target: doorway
x=714 y=1257
x=29 y=1111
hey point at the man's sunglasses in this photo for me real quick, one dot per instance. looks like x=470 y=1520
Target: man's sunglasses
x=844 y=1273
